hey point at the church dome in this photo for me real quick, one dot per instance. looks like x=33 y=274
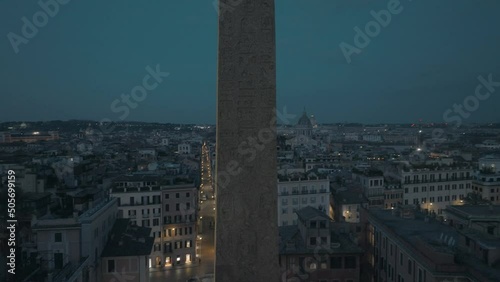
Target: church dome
x=304 y=121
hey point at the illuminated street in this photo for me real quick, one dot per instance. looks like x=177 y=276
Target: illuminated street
x=206 y=233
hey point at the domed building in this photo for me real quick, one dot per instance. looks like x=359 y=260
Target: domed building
x=304 y=125
x=303 y=133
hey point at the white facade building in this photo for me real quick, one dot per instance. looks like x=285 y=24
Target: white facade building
x=169 y=210
x=184 y=148
x=435 y=188
x=294 y=194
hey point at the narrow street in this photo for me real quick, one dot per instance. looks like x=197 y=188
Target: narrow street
x=206 y=234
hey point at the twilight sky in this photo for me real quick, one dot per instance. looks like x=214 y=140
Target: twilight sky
x=423 y=62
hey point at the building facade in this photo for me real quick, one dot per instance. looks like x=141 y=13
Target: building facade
x=169 y=210
x=435 y=187
x=313 y=250
x=74 y=244
x=297 y=193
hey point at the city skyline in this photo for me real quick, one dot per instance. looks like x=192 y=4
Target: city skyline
x=429 y=69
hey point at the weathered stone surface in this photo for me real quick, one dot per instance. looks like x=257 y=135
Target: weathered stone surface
x=246 y=229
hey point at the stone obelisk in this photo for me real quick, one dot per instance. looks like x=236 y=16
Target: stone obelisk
x=246 y=236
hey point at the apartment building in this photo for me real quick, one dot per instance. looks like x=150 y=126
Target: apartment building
x=487 y=181
x=393 y=193
x=168 y=208
x=184 y=148
x=433 y=187
x=405 y=245
x=179 y=228
x=347 y=205
x=125 y=257
x=69 y=246
x=299 y=191
x=373 y=185
x=313 y=250
x=479 y=238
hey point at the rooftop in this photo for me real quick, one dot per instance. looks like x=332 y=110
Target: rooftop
x=310 y=212
x=419 y=229
x=128 y=240
x=349 y=197
x=491 y=211
x=291 y=242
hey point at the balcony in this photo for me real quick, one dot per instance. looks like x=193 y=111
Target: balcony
x=157 y=215
x=286 y=193
x=145 y=215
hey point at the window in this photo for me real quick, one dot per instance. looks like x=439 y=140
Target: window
x=409 y=267
x=167 y=196
x=156 y=222
x=177 y=195
x=323 y=240
x=167 y=207
x=111 y=265
x=322 y=224
x=284 y=202
x=177 y=207
x=313 y=224
x=157 y=247
x=187 y=194
x=335 y=262
x=58 y=237
x=350 y=262
x=312 y=240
